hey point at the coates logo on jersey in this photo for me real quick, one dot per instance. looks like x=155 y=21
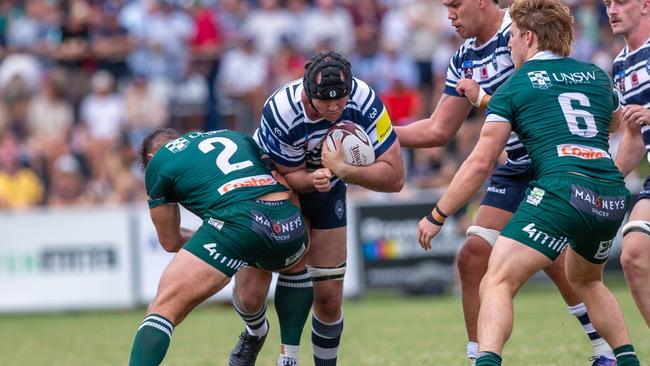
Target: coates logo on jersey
x=582 y=152
x=540 y=79
x=254 y=181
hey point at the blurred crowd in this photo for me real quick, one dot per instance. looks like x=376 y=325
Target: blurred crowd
x=83 y=81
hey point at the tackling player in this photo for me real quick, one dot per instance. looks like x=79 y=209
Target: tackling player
x=248 y=220
x=562 y=111
x=477 y=69
x=631 y=71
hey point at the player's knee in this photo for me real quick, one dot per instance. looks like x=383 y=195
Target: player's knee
x=473 y=257
x=328 y=304
x=247 y=299
x=634 y=260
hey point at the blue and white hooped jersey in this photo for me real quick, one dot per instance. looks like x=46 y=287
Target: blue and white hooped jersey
x=489 y=64
x=631 y=72
x=290 y=138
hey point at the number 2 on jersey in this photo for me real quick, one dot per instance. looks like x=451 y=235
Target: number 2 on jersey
x=571 y=114
x=224 y=156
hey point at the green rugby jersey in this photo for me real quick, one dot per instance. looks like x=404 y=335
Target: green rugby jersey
x=206 y=171
x=562 y=110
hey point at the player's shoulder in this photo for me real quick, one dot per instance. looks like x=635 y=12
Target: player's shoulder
x=284 y=105
x=362 y=96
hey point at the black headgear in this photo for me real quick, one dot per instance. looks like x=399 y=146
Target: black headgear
x=331 y=66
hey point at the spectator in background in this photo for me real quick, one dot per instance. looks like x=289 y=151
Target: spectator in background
x=328 y=21
x=432 y=168
x=267 y=24
x=367 y=16
x=393 y=64
x=403 y=102
x=20 y=187
x=49 y=120
x=68 y=183
x=144 y=110
x=288 y=63
x=241 y=83
x=73 y=52
x=110 y=41
x=102 y=117
x=162 y=40
x=230 y=16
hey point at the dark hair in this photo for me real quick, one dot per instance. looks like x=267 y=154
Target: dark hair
x=153 y=142
x=335 y=76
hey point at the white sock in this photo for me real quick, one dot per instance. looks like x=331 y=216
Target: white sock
x=472 y=352
x=259 y=332
x=598 y=344
x=289 y=355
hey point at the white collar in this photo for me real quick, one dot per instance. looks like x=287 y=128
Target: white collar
x=545 y=55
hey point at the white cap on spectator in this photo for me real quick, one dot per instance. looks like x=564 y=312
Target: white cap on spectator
x=101 y=80
x=67 y=164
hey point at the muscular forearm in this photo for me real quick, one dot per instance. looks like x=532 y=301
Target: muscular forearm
x=300 y=181
x=380 y=176
x=630 y=151
x=420 y=134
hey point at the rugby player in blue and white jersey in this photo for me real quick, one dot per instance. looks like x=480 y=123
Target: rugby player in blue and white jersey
x=294 y=124
x=631 y=72
x=481 y=64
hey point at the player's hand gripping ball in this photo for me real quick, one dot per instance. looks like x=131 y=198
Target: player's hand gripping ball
x=356 y=145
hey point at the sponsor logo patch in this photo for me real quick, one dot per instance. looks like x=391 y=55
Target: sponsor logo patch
x=177 y=145
x=540 y=237
x=468 y=69
x=252 y=181
x=218 y=224
x=582 y=152
x=496 y=190
x=540 y=79
x=605 y=207
x=339 y=209
x=604 y=249
x=296 y=256
x=535 y=196
x=278 y=230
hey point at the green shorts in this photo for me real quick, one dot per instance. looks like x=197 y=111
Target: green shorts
x=270 y=235
x=561 y=210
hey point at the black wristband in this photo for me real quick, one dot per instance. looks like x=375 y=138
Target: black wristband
x=439 y=211
x=432 y=220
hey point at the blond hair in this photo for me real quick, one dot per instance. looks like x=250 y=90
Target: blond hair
x=550 y=20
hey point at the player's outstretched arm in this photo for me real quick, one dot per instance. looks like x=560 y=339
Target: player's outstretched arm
x=631 y=149
x=167 y=220
x=468 y=180
x=386 y=174
x=440 y=127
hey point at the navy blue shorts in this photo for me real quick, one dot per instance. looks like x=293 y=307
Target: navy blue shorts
x=507 y=187
x=645 y=191
x=325 y=210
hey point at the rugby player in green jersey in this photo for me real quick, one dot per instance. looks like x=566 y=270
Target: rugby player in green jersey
x=247 y=221
x=562 y=111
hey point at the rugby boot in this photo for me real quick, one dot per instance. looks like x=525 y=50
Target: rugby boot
x=602 y=361
x=245 y=351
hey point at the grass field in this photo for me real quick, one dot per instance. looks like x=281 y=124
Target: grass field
x=379 y=330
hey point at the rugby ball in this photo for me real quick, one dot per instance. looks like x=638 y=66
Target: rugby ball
x=357 y=148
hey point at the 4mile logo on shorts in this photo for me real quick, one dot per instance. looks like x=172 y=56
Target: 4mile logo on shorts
x=540 y=79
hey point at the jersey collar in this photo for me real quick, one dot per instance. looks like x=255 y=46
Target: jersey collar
x=545 y=55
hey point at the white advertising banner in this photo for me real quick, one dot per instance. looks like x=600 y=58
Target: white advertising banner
x=65 y=260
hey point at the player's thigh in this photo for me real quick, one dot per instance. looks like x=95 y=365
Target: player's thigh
x=251 y=288
x=186 y=282
x=580 y=270
x=327 y=247
x=513 y=263
x=491 y=217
